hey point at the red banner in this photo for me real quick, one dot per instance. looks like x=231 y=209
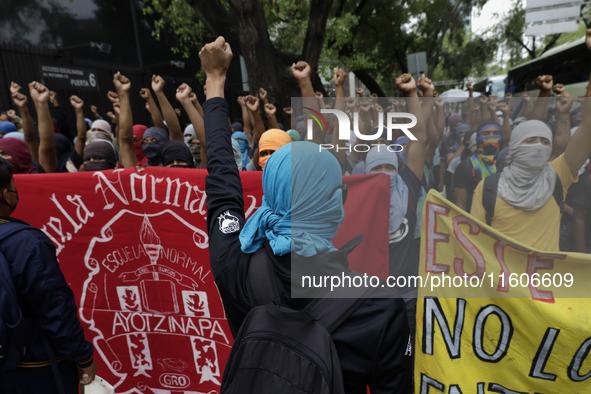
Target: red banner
x=133 y=248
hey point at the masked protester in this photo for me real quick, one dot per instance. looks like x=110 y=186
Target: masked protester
x=244 y=148
x=177 y=154
x=17 y=153
x=138 y=136
x=99 y=156
x=101 y=130
x=153 y=143
x=270 y=141
x=188 y=134
x=66 y=152
x=237 y=154
x=525 y=189
x=479 y=165
x=195 y=148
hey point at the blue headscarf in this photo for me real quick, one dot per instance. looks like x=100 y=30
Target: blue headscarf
x=459 y=129
x=7 y=127
x=299 y=181
x=398 y=189
x=243 y=146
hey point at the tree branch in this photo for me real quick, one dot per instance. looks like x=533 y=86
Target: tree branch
x=315 y=32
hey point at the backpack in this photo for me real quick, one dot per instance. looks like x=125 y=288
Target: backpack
x=281 y=350
x=489 y=195
x=14 y=327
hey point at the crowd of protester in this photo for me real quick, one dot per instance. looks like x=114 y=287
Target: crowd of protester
x=536 y=154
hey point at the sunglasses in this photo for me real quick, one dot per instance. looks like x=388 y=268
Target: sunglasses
x=345 y=190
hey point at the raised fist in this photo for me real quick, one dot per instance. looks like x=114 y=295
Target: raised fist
x=262 y=93
x=470 y=87
x=525 y=98
x=53 y=98
x=318 y=94
x=351 y=103
x=39 y=93
x=117 y=108
x=113 y=97
x=11 y=114
x=503 y=107
x=364 y=106
x=339 y=76
x=544 y=82
x=111 y=116
x=270 y=109
x=177 y=112
x=76 y=102
x=193 y=97
x=157 y=83
x=145 y=93
x=425 y=85
x=476 y=108
x=406 y=83
x=19 y=99
x=94 y=109
x=122 y=84
x=14 y=87
x=215 y=58
x=360 y=92
x=183 y=92
x=439 y=102
x=564 y=103
x=252 y=103
x=287 y=110
x=378 y=108
x=301 y=70
x=558 y=88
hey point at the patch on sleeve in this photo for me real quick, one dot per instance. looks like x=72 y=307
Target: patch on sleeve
x=228 y=223
x=408 y=351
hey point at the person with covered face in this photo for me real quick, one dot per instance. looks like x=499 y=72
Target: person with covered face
x=479 y=165
x=371 y=343
x=152 y=144
x=99 y=155
x=177 y=154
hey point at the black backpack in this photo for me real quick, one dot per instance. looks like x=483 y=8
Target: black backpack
x=489 y=195
x=281 y=350
x=14 y=327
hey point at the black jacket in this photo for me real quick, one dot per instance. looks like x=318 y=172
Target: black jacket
x=372 y=343
x=44 y=296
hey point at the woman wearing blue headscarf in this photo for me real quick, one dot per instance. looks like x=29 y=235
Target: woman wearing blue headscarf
x=299 y=216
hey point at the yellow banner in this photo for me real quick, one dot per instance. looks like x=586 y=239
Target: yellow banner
x=494 y=315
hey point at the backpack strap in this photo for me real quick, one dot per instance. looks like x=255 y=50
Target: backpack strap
x=331 y=311
x=559 y=193
x=261 y=279
x=489 y=195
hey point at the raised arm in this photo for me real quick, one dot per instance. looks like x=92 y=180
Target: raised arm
x=506 y=128
x=301 y=72
x=526 y=109
x=78 y=105
x=222 y=185
x=196 y=103
x=416 y=149
x=95 y=112
x=579 y=146
x=253 y=103
x=47 y=153
x=263 y=96
x=270 y=110
x=183 y=95
x=339 y=80
x=125 y=134
x=152 y=108
x=470 y=111
x=20 y=100
x=174 y=127
x=562 y=136
x=541 y=105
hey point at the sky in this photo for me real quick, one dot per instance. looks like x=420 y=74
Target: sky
x=485 y=18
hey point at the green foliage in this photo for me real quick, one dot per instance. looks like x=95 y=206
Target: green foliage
x=178 y=17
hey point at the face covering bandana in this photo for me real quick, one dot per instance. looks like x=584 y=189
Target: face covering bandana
x=527 y=183
x=153 y=150
x=196 y=152
x=483 y=161
x=97 y=165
